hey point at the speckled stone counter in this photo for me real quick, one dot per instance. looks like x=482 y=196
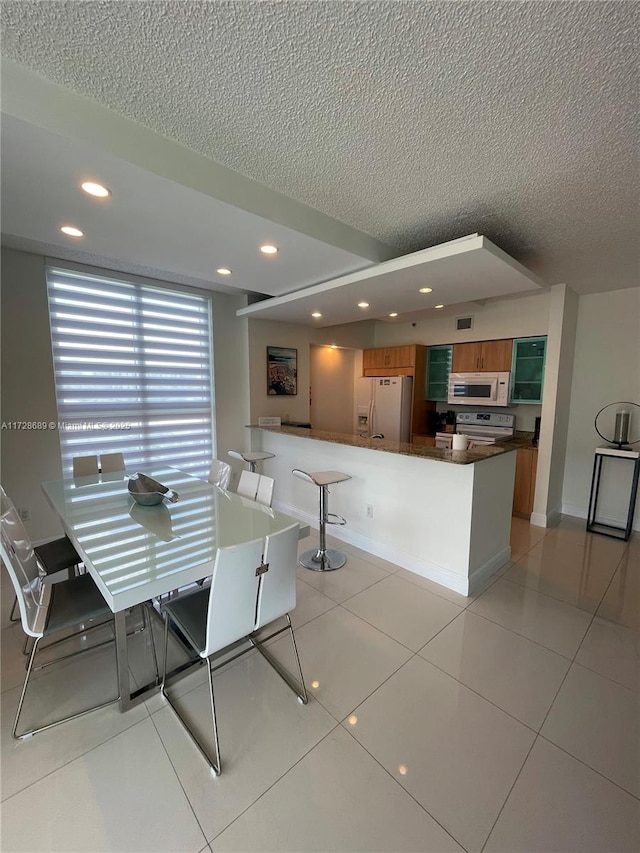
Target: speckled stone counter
x=455 y=457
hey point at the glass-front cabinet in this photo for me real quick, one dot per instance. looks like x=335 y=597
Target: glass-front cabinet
x=438 y=370
x=527 y=370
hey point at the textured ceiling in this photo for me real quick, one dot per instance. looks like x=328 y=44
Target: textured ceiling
x=413 y=122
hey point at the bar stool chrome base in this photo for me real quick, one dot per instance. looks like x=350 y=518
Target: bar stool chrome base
x=323 y=561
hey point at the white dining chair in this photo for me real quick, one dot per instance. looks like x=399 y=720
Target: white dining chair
x=220 y=474
x=253 y=584
x=111 y=463
x=46 y=609
x=248 y=484
x=264 y=493
x=85 y=466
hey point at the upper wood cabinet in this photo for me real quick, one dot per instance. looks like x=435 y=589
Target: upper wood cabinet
x=386 y=358
x=482 y=357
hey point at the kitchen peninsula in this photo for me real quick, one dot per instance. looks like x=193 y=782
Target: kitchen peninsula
x=443 y=514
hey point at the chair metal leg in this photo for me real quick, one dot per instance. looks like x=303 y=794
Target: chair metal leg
x=25 y=734
x=298 y=687
x=148 y=626
x=214 y=763
x=12 y=616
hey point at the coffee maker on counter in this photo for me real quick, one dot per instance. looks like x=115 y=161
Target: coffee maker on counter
x=536 y=433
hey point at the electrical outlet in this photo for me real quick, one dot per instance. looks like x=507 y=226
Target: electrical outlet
x=369 y=510
x=25 y=513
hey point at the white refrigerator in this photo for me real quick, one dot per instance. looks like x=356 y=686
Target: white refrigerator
x=383 y=406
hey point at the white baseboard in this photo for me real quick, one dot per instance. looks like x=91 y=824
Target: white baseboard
x=431 y=571
x=539 y=519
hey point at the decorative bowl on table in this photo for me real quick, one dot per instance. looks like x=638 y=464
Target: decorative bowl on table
x=149 y=492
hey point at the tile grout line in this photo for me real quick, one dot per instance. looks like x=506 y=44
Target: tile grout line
x=275 y=782
x=539 y=734
x=82 y=755
x=401 y=786
x=177 y=775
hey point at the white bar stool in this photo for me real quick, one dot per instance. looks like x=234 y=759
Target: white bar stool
x=321 y=559
x=250 y=456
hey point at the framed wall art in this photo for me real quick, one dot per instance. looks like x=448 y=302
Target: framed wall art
x=282 y=371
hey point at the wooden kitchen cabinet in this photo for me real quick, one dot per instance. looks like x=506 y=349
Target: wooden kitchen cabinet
x=398 y=359
x=482 y=356
x=525 y=482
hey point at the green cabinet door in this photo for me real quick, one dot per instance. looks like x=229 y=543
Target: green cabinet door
x=527 y=370
x=438 y=370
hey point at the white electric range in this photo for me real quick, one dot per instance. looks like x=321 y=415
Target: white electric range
x=481 y=427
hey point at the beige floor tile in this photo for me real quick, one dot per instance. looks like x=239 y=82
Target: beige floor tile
x=524 y=536
x=621 y=602
x=336 y=799
x=517 y=675
x=613 y=651
x=552 y=623
x=309 y=604
x=263 y=730
x=408 y=614
x=560 y=806
x=597 y=721
x=60 y=691
x=454 y=752
x=123 y=795
x=562 y=570
x=341 y=584
x=344 y=659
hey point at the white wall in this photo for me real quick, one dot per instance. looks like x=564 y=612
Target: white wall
x=264 y=333
x=332 y=388
x=516 y=317
x=28 y=390
x=606 y=369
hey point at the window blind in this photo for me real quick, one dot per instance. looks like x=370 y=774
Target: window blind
x=133 y=371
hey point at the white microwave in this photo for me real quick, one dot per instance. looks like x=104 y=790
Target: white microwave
x=479 y=389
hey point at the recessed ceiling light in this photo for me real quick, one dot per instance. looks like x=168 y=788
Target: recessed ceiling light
x=333 y=346
x=223 y=271
x=95 y=189
x=394 y=314
x=363 y=304
x=268 y=249
x=438 y=306
x=72 y=231
x=426 y=290
x=316 y=314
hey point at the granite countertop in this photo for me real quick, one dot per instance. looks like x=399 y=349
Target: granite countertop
x=403 y=448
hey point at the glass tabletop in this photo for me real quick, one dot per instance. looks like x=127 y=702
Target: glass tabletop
x=136 y=552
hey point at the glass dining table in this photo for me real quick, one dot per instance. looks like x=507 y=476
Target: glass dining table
x=135 y=553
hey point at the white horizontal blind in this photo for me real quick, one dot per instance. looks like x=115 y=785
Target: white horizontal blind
x=133 y=372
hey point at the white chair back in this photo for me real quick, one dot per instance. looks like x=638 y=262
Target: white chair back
x=277 y=594
x=110 y=463
x=220 y=474
x=26 y=576
x=233 y=595
x=264 y=493
x=248 y=484
x=85 y=466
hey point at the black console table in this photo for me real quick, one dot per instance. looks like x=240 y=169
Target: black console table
x=594 y=526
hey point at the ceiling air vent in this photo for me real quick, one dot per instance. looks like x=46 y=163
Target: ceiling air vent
x=464 y=323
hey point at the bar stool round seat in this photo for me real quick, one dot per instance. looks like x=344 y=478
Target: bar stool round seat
x=251 y=457
x=323 y=559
